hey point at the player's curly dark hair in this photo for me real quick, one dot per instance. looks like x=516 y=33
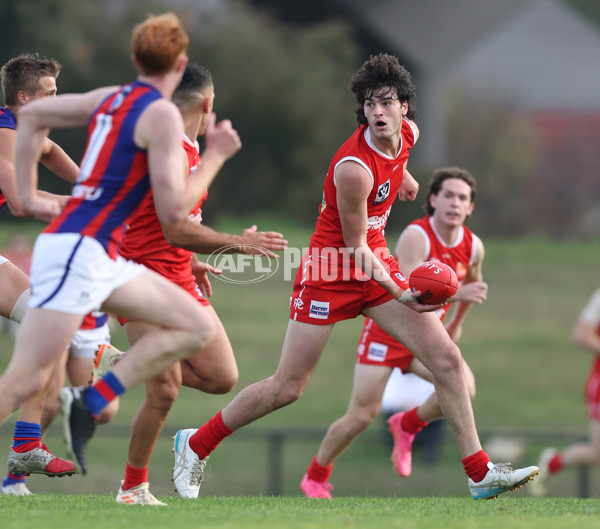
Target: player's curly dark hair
x=382 y=71
x=444 y=173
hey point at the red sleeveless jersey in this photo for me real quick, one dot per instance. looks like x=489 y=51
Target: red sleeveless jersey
x=376 y=347
x=387 y=174
x=145 y=243
x=459 y=256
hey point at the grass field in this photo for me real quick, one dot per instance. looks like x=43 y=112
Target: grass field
x=529 y=379
x=51 y=511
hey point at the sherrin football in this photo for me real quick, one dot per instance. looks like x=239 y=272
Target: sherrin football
x=436 y=281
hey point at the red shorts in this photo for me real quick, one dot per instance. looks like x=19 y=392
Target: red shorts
x=592 y=392
x=378 y=348
x=187 y=282
x=338 y=293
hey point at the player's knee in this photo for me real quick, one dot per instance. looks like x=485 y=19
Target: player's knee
x=360 y=421
x=163 y=397
x=37 y=382
x=447 y=360
x=225 y=381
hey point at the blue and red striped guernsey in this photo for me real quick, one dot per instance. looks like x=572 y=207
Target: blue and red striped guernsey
x=7 y=121
x=113 y=178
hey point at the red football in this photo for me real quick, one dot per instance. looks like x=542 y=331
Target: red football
x=436 y=281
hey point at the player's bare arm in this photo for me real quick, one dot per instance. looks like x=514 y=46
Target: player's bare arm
x=35 y=120
x=8 y=181
x=411 y=250
x=59 y=162
x=409 y=187
x=353 y=185
x=201 y=270
x=585 y=329
x=165 y=162
x=585 y=336
x=199 y=238
x=221 y=143
x=472 y=290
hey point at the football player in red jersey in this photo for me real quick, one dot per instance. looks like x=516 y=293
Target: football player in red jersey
x=134 y=143
x=346 y=272
x=586 y=334
x=441 y=236
x=170 y=252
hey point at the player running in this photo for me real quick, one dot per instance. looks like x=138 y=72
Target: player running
x=439 y=236
x=586 y=334
x=26 y=78
x=347 y=271
x=171 y=254
x=134 y=143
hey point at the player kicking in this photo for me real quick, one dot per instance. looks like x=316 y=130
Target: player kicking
x=347 y=272
x=134 y=143
x=439 y=236
x=212 y=369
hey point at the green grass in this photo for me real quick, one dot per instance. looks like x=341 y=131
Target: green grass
x=529 y=376
x=97 y=511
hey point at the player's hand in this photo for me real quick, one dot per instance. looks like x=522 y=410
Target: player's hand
x=43 y=208
x=261 y=242
x=409 y=298
x=221 y=137
x=409 y=188
x=200 y=271
x=475 y=292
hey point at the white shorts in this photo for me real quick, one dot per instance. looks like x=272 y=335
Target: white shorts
x=72 y=273
x=3 y=260
x=86 y=341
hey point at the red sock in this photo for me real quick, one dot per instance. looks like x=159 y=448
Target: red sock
x=209 y=435
x=476 y=465
x=411 y=422
x=25 y=447
x=318 y=472
x=134 y=477
x=556 y=463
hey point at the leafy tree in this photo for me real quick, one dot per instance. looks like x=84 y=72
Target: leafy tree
x=284 y=87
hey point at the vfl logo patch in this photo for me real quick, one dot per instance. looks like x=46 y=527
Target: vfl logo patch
x=383 y=191
x=377 y=352
x=319 y=310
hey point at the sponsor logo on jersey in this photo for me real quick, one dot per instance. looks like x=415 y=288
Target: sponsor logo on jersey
x=87 y=192
x=383 y=191
x=298 y=304
x=377 y=352
x=378 y=222
x=319 y=310
x=400 y=276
